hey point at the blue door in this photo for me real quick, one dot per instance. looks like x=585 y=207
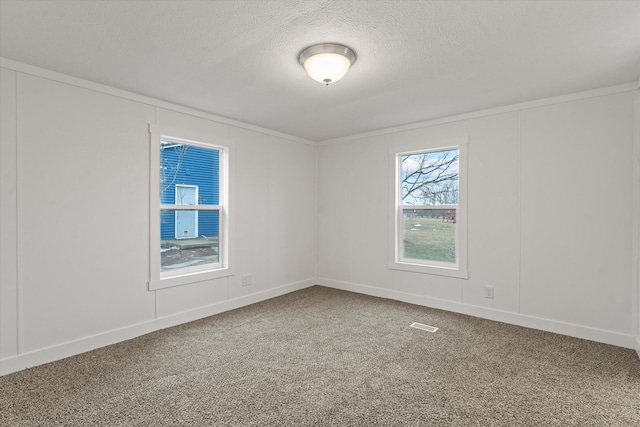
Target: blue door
x=186 y=221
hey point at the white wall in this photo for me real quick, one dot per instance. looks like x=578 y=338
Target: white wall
x=8 y=216
x=75 y=217
x=550 y=216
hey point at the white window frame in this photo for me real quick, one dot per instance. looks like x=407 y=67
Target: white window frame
x=396 y=261
x=224 y=267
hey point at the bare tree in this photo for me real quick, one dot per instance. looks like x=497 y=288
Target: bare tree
x=430 y=178
x=169 y=170
x=445 y=193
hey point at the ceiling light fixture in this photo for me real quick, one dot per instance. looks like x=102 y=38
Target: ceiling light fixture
x=327 y=63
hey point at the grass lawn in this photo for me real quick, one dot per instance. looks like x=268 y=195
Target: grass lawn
x=429 y=238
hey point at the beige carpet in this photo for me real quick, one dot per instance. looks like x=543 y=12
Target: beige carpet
x=325 y=357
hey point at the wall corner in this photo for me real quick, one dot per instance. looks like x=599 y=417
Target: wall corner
x=636 y=217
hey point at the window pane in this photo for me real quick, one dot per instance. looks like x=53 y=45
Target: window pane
x=429 y=234
x=188 y=238
x=189 y=175
x=430 y=178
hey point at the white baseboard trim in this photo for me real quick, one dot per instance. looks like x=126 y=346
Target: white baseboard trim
x=573 y=330
x=82 y=345
x=638 y=346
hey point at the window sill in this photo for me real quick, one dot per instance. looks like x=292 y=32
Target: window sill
x=188 y=278
x=460 y=273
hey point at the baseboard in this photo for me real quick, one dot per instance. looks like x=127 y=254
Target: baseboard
x=573 y=330
x=638 y=345
x=220 y=307
x=82 y=345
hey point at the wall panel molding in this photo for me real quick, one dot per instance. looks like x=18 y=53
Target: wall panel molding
x=572 y=330
x=611 y=90
x=75 y=347
x=86 y=84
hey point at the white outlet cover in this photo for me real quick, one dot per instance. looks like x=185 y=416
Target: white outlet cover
x=488 y=292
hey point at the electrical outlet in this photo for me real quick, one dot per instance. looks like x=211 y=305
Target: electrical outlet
x=247 y=280
x=488 y=292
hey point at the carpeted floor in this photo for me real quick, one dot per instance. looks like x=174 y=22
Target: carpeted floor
x=321 y=357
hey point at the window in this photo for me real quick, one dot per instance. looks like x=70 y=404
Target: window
x=190 y=221
x=428 y=230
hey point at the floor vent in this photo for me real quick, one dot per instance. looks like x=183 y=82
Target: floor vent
x=423 y=327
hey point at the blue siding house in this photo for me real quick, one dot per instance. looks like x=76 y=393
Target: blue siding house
x=188 y=175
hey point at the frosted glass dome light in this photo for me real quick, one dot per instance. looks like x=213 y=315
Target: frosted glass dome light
x=327 y=63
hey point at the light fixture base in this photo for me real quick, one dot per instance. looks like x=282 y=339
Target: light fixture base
x=327 y=62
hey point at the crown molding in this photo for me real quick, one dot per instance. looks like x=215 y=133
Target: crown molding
x=98 y=87
x=610 y=90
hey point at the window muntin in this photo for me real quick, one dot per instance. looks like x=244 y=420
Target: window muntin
x=190 y=230
x=428 y=233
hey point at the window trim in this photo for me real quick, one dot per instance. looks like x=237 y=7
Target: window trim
x=396 y=262
x=225 y=266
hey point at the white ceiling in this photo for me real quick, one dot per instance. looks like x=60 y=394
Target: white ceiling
x=416 y=60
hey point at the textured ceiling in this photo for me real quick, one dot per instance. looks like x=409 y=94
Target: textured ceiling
x=417 y=60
